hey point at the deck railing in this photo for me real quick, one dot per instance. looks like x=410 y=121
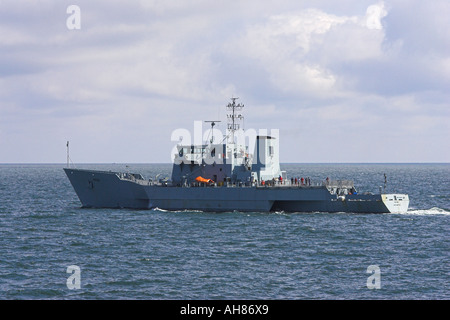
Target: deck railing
x=330 y=184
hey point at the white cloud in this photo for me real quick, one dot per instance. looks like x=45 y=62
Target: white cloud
x=374 y=14
x=13 y=37
x=299 y=50
x=137 y=71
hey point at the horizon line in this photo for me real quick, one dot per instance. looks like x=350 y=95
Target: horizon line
x=148 y=163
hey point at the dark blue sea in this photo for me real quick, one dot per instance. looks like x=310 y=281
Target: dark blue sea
x=46 y=239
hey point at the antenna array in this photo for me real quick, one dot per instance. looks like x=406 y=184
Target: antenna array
x=234 y=117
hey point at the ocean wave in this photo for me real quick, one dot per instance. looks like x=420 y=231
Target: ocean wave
x=175 y=211
x=431 y=211
x=160 y=210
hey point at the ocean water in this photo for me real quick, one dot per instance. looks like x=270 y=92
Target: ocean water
x=156 y=254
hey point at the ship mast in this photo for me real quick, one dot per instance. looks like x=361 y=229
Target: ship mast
x=213 y=123
x=234 y=117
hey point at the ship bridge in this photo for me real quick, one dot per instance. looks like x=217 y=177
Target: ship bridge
x=229 y=161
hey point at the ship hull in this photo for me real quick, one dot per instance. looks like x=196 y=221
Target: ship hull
x=104 y=189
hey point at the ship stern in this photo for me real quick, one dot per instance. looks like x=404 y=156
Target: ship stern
x=396 y=203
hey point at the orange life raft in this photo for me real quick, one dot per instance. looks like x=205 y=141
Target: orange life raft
x=201 y=179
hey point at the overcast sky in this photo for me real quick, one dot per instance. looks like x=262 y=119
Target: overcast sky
x=343 y=81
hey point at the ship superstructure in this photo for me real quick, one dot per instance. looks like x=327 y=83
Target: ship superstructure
x=230 y=160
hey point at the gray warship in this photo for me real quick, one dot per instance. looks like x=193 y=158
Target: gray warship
x=221 y=176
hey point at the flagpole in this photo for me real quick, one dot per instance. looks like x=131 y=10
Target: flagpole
x=67 y=154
